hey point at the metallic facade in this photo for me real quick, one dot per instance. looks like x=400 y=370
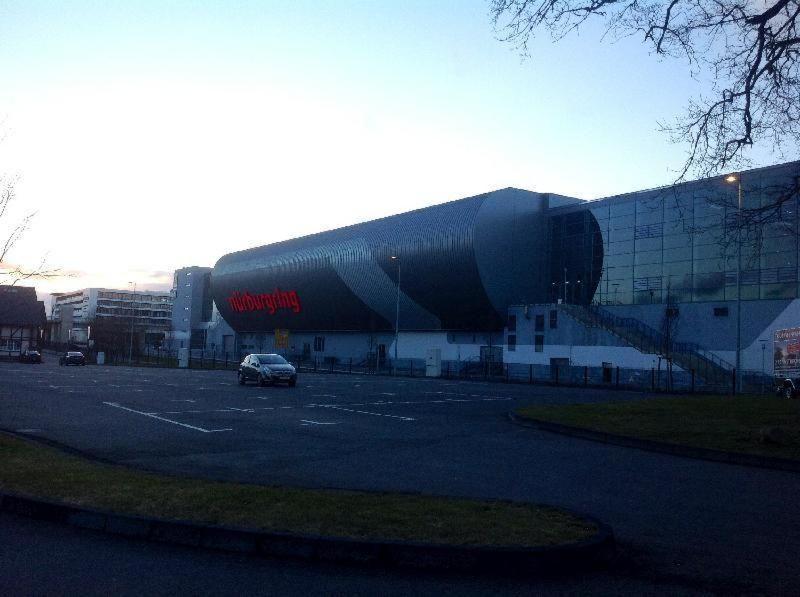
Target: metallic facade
x=461 y=264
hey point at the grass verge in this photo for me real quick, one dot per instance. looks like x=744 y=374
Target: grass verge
x=40 y=471
x=765 y=426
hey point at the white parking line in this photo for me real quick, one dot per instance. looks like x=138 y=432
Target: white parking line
x=364 y=412
x=306 y=422
x=152 y=416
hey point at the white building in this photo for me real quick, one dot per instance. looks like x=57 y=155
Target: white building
x=148 y=313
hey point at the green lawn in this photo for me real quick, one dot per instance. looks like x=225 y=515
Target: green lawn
x=32 y=469
x=733 y=424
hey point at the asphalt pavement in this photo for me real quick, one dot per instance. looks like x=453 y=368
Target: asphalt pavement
x=680 y=522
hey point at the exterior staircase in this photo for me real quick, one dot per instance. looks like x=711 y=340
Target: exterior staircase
x=687 y=355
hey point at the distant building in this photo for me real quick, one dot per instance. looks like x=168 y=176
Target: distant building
x=537 y=279
x=22 y=320
x=148 y=313
x=196 y=323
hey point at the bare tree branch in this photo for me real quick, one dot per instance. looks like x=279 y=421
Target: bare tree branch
x=750 y=50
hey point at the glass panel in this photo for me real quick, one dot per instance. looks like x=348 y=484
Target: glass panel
x=712 y=235
x=622 y=222
x=679 y=226
x=622 y=234
x=708 y=251
x=646 y=271
x=769 y=260
x=709 y=265
x=618 y=260
x=645 y=257
x=777 y=291
x=623 y=208
x=678 y=268
x=617 y=248
x=678 y=254
x=677 y=240
x=674 y=282
x=648 y=244
x=619 y=273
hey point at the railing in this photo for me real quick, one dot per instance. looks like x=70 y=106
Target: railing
x=687 y=355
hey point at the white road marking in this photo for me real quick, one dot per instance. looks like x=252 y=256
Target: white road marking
x=307 y=422
x=183 y=400
x=27 y=430
x=324 y=396
x=152 y=416
x=388 y=394
x=364 y=412
x=242 y=410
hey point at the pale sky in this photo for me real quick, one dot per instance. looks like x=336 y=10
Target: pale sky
x=154 y=135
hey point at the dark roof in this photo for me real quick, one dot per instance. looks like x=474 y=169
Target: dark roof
x=19 y=307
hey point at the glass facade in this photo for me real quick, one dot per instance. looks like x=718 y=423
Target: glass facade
x=681 y=244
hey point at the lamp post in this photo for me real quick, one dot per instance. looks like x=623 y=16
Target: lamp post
x=737 y=178
x=396 y=259
x=133 y=302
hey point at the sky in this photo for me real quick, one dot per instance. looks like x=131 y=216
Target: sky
x=150 y=136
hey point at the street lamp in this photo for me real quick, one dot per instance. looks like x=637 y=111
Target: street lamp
x=730 y=179
x=396 y=259
x=133 y=302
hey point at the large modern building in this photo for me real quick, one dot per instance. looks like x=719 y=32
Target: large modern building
x=538 y=278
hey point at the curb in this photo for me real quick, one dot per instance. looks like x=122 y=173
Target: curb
x=544 y=561
x=767 y=462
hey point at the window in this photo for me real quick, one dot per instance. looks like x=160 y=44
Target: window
x=512 y=323
x=512 y=342
x=319 y=344
x=540 y=323
x=553 y=319
x=539 y=343
x=720 y=311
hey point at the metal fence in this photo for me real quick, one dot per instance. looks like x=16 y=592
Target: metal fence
x=648 y=380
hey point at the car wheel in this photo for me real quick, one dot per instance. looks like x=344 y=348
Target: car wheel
x=787 y=393
x=261 y=381
x=241 y=379
x=292 y=383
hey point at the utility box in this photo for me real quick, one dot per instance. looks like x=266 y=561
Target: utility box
x=433 y=363
x=101 y=358
x=183 y=358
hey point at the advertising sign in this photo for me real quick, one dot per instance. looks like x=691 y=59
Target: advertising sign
x=281 y=338
x=787 y=352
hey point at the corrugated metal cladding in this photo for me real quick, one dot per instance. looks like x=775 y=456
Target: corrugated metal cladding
x=461 y=264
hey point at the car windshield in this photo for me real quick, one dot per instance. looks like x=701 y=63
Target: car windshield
x=270 y=359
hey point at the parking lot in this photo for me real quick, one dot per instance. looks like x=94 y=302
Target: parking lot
x=204 y=423
x=726 y=524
